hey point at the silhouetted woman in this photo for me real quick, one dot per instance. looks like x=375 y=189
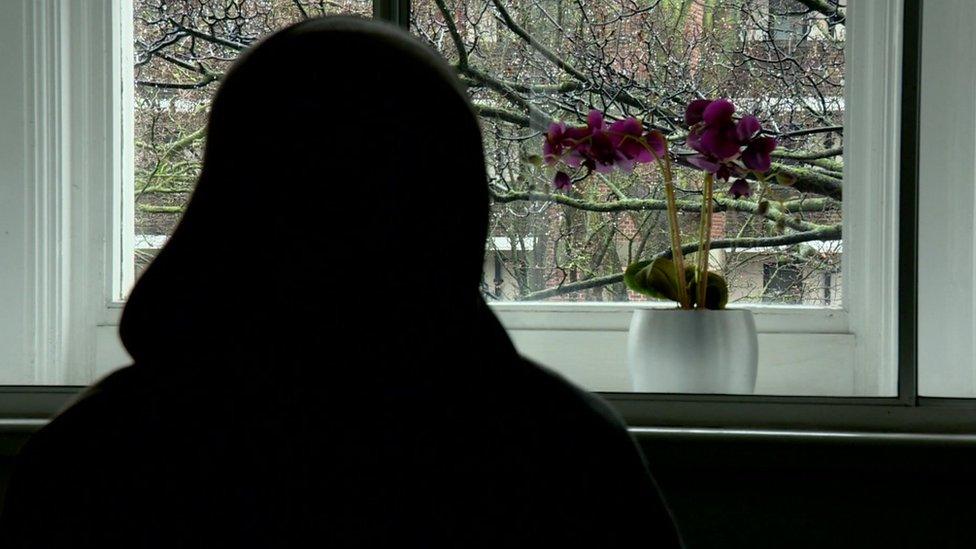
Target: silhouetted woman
x=313 y=362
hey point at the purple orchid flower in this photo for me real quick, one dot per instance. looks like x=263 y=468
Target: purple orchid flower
x=756 y=157
x=562 y=181
x=601 y=155
x=601 y=147
x=747 y=128
x=638 y=147
x=601 y=152
x=695 y=113
x=657 y=144
x=560 y=140
x=555 y=142
x=562 y=143
x=594 y=120
x=715 y=135
x=726 y=147
x=740 y=189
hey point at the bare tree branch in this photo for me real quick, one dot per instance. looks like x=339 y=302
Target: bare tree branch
x=831 y=10
x=827 y=233
x=541 y=48
x=722 y=204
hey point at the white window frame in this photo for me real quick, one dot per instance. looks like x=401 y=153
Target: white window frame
x=74 y=192
x=68 y=169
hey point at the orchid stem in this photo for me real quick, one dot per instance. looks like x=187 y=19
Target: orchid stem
x=676 y=256
x=704 y=240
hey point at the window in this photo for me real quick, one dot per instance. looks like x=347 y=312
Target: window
x=782 y=283
x=525 y=65
x=653 y=62
x=789 y=22
x=827 y=316
x=181 y=50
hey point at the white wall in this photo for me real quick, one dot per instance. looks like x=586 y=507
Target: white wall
x=947 y=190
x=947 y=204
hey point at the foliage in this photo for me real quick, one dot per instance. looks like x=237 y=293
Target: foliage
x=659 y=279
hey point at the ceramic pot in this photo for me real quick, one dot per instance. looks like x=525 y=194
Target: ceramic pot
x=681 y=351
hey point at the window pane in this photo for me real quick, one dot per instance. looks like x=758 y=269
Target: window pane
x=182 y=47
x=527 y=64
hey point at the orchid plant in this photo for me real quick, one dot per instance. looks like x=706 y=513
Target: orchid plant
x=725 y=148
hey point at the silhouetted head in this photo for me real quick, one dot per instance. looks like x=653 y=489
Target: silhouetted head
x=343 y=191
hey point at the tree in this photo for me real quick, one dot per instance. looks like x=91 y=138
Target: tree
x=527 y=63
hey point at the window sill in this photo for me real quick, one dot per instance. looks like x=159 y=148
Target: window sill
x=802 y=350
x=616 y=316
x=15 y=431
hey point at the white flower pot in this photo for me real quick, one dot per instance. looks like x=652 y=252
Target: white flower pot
x=681 y=351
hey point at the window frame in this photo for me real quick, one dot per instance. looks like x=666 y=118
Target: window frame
x=71 y=173
x=78 y=230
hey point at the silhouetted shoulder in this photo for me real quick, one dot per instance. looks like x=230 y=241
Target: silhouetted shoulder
x=96 y=409
x=552 y=394
x=596 y=481
x=50 y=501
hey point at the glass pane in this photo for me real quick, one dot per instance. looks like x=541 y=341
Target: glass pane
x=182 y=47
x=527 y=64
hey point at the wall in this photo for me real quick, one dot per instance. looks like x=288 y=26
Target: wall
x=947 y=179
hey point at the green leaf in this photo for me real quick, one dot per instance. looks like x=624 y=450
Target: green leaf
x=656 y=279
x=635 y=276
x=716 y=291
